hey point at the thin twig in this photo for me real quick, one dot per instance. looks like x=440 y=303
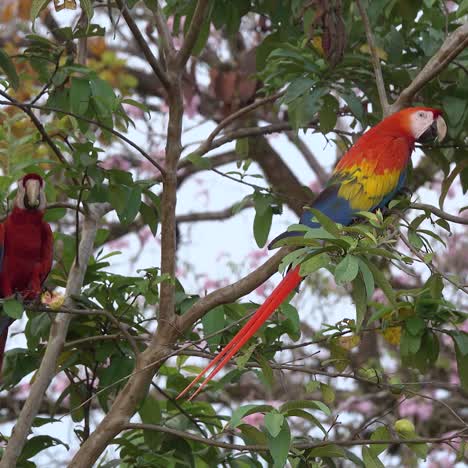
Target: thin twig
x=207 y=144
x=375 y=60
x=192 y=34
x=440 y=213
x=143 y=45
x=452 y=46
x=91 y=121
x=299 y=446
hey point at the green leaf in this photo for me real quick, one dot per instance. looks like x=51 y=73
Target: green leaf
x=370 y=460
x=273 y=422
x=150 y=217
x=314 y=263
x=360 y=300
x=297 y=88
x=242 y=147
x=13 y=308
x=462 y=365
x=80 y=92
x=54 y=214
x=37 y=444
x=261 y=226
x=87 y=8
x=279 y=445
x=212 y=322
x=326 y=222
x=36 y=7
x=328 y=393
x=460 y=338
x=409 y=344
x=347 y=269
x=367 y=277
x=328 y=113
x=415 y=325
x=150 y=413
x=381 y=433
x=301 y=404
x=9 y=68
x=327 y=451
x=382 y=282
x=267 y=371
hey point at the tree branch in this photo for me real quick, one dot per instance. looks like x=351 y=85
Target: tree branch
x=143 y=45
x=295 y=139
x=212 y=215
x=375 y=60
x=233 y=291
x=192 y=34
x=207 y=144
x=91 y=121
x=440 y=213
x=300 y=446
x=452 y=46
x=163 y=30
x=45 y=136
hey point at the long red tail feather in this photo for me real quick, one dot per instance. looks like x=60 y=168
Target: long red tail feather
x=276 y=298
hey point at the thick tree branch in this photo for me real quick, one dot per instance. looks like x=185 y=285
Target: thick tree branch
x=375 y=60
x=57 y=336
x=143 y=45
x=192 y=34
x=233 y=291
x=452 y=46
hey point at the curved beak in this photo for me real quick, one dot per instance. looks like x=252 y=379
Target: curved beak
x=32 y=191
x=435 y=132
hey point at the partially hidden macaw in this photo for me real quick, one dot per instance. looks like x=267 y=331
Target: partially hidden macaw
x=365 y=179
x=26 y=247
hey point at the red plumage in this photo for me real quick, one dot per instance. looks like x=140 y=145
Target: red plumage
x=26 y=247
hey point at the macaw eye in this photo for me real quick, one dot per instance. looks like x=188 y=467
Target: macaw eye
x=421 y=114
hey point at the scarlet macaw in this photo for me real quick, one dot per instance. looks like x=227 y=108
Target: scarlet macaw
x=26 y=247
x=365 y=179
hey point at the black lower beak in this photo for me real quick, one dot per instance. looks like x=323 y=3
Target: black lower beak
x=430 y=135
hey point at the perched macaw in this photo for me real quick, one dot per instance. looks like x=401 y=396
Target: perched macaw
x=365 y=179
x=26 y=247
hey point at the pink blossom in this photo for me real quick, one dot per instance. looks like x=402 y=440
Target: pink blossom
x=255 y=419
x=116 y=162
x=256 y=256
x=379 y=296
x=119 y=244
x=357 y=405
x=416 y=407
x=191 y=106
x=144 y=234
x=133 y=111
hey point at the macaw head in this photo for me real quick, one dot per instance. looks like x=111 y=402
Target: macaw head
x=423 y=124
x=30 y=194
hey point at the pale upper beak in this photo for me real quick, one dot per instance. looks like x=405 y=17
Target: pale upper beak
x=441 y=128
x=32 y=191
